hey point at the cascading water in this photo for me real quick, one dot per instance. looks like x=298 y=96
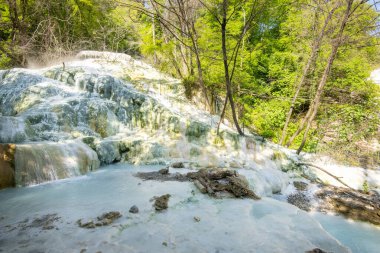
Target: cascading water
x=64 y=121
x=146 y=120
x=40 y=162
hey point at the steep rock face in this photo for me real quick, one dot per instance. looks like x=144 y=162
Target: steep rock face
x=39 y=162
x=12 y=129
x=33 y=163
x=20 y=90
x=122 y=109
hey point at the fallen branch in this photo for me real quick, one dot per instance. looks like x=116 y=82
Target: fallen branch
x=328 y=173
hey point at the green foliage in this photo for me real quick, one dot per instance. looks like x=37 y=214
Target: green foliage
x=45 y=30
x=349 y=110
x=268 y=117
x=268 y=66
x=191 y=86
x=365 y=187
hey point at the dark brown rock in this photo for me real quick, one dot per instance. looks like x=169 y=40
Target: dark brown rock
x=161 y=203
x=316 y=250
x=300 y=200
x=177 y=165
x=88 y=224
x=350 y=203
x=45 y=222
x=110 y=215
x=103 y=220
x=7 y=177
x=299 y=185
x=164 y=171
x=134 y=209
x=162 y=176
x=222 y=183
x=215 y=182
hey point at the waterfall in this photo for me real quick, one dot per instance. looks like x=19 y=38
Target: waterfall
x=46 y=161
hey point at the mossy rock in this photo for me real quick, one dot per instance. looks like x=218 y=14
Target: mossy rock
x=126 y=78
x=89 y=141
x=278 y=156
x=66 y=76
x=195 y=152
x=219 y=141
x=174 y=124
x=197 y=132
x=291 y=166
x=108 y=152
x=234 y=138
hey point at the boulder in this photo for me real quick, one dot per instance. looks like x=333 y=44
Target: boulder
x=350 y=203
x=177 y=165
x=161 y=202
x=103 y=220
x=134 y=209
x=108 y=152
x=7 y=173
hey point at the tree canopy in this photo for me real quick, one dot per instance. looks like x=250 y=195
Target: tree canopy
x=295 y=72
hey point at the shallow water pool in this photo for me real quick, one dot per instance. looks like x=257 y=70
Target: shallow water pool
x=228 y=225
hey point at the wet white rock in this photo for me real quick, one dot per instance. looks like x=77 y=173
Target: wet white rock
x=36 y=163
x=228 y=225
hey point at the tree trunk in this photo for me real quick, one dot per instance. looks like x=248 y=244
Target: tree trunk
x=226 y=71
x=176 y=64
x=306 y=71
x=154 y=38
x=222 y=114
x=334 y=51
x=13 y=15
x=199 y=67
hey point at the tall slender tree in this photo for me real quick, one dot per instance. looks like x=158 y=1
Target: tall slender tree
x=310 y=65
x=223 y=12
x=347 y=16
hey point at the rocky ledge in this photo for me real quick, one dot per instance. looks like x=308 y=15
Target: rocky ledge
x=218 y=183
x=352 y=204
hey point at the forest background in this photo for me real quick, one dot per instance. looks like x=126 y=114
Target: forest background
x=296 y=72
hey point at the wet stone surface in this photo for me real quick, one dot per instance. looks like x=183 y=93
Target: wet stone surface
x=164 y=171
x=222 y=183
x=134 y=209
x=218 y=183
x=162 y=175
x=44 y=222
x=300 y=200
x=197 y=219
x=316 y=250
x=350 y=203
x=161 y=202
x=177 y=165
x=299 y=185
x=103 y=220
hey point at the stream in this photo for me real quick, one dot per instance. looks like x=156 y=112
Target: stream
x=43 y=218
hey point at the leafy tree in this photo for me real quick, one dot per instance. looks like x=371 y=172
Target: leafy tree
x=39 y=28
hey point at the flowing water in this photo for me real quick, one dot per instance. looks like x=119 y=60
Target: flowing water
x=228 y=225
x=103 y=108
x=358 y=236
